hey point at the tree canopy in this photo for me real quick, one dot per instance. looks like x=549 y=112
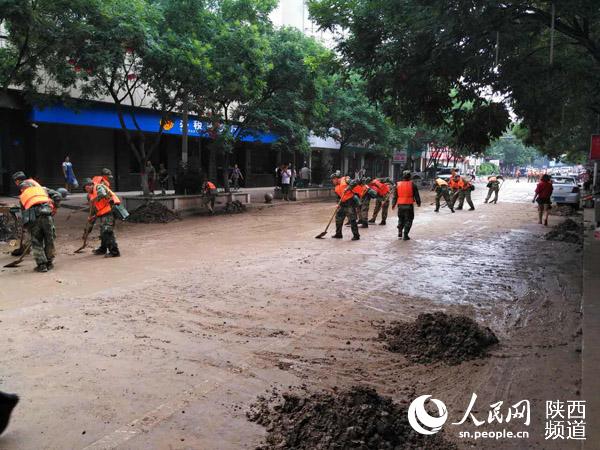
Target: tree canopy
x=495 y=55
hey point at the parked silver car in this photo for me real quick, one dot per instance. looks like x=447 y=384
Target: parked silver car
x=566 y=191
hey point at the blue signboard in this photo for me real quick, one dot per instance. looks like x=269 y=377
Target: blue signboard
x=105 y=116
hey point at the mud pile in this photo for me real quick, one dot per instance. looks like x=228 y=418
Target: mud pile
x=152 y=212
x=567 y=231
x=439 y=337
x=8 y=229
x=235 y=207
x=563 y=210
x=357 y=419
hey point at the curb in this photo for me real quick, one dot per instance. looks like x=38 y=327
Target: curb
x=590 y=356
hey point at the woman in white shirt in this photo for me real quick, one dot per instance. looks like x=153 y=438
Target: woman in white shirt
x=286 y=177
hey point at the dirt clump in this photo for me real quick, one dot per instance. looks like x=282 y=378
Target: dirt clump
x=439 y=337
x=8 y=229
x=567 y=231
x=235 y=207
x=563 y=210
x=358 y=418
x=152 y=212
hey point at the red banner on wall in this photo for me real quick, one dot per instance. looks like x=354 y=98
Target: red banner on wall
x=595 y=147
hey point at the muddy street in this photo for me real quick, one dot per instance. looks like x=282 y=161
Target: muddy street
x=169 y=345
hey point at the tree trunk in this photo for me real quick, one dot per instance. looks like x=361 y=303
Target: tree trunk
x=226 y=172
x=144 y=182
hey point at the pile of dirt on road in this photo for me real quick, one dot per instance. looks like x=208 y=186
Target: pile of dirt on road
x=567 y=231
x=152 y=212
x=234 y=207
x=563 y=210
x=357 y=419
x=8 y=230
x=439 y=337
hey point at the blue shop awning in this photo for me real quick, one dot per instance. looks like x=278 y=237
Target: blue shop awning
x=105 y=116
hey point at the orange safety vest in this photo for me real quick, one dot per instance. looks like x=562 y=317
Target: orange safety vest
x=33 y=195
x=456 y=184
x=360 y=190
x=341 y=192
x=404 y=190
x=101 y=179
x=103 y=205
x=382 y=189
x=210 y=186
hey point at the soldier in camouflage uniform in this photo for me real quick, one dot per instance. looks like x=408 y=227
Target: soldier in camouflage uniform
x=38 y=205
x=348 y=202
x=493 y=188
x=383 y=187
x=441 y=190
x=366 y=194
x=102 y=200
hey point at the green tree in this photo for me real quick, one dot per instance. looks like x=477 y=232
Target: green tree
x=138 y=53
x=414 y=53
x=351 y=118
x=31 y=32
x=511 y=151
x=267 y=80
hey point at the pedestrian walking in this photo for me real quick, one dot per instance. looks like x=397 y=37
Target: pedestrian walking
x=151 y=174
x=305 y=173
x=493 y=188
x=236 y=176
x=518 y=175
x=286 y=179
x=406 y=194
x=278 y=171
x=543 y=196
x=163 y=178
x=70 y=180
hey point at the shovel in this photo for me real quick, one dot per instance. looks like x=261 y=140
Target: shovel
x=16 y=262
x=88 y=229
x=321 y=235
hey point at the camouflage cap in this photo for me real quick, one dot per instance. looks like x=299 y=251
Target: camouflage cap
x=87 y=181
x=106 y=172
x=20 y=175
x=63 y=192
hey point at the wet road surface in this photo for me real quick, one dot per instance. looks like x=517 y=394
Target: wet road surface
x=166 y=346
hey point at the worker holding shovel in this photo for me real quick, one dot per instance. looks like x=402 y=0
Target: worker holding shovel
x=104 y=205
x=38 y=205
x=348 y=201
x=441 y=190
x=383 y=188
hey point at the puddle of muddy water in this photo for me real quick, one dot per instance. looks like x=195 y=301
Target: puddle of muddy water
x=457 y=270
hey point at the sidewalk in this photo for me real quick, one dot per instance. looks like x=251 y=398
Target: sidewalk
x=590 y=356
x=257 y=195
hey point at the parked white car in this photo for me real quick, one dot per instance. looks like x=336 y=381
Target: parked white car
x=566 y=191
